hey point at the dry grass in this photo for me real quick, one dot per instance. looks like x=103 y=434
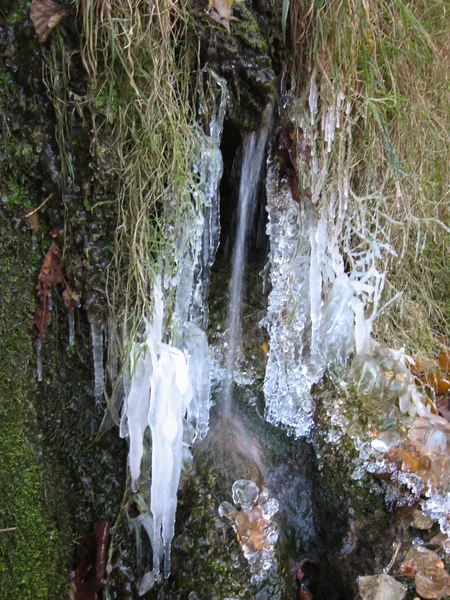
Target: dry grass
x=391 y=61
x=140 y=61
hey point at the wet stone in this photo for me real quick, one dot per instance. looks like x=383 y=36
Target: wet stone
x=380 y=587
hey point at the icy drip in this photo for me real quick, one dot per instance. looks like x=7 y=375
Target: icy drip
x=317 y=307
x=71 y=328
x=169 y=392
x=199 y=234
x=169 y=376
x=286 y=388
x=97 y=354
x=39 y=360
x=252 y=167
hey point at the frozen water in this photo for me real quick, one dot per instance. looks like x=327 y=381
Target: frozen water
x=169 y=399
x=196 y=345
x=324 y=268
x=245 y=493
x=137 y=407
x=71 y=328
x=199 y=233
x=39 y=360
x=167 y=384
x=97 y=354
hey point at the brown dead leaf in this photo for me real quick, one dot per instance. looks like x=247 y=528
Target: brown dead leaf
x=444 y=361
x=71 y=298
x=431 y=579
x=45 y=15
x=49 y=276
x=50 y=273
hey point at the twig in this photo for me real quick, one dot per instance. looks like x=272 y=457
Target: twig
x=393 y=559
x=39 y=207
x=7 y=529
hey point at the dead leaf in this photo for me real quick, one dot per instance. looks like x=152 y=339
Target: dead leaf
x=221 y=11
x=49 y=276
x=45 y=15
x=421 y=521
x=71 y=298
x=431 y=579
x=444 y=361
x=50 y=273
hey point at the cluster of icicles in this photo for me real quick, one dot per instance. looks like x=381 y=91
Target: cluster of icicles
x=169 y=392
x=167 y=387
x=317 y=307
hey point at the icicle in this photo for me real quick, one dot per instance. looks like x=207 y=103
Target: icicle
x=138 y=403
x=39 y=360
x=313 y=93
x=196 y=345
x=170 y=396
x=97 y=355
x=71 y=328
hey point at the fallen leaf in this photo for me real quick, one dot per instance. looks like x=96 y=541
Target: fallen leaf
x=45 y=15
x=221 y=12
x=71 y=298
x=49 y=276
x=444 y=360
x=50 y=273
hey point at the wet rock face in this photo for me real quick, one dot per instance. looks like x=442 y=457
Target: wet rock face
x=380 y=587
x=247 y=56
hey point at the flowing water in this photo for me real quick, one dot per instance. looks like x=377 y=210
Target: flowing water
x=253 y=155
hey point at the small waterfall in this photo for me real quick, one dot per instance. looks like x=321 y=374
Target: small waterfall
x=252 y=167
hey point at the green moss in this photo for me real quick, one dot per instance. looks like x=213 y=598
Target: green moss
x=34 y=556
x=248 y=31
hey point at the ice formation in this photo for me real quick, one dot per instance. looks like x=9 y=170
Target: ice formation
x=97 y=355
x=71 y=316
x=326 y=267
x=39 y=360
x=253 y=524
x=169 y=376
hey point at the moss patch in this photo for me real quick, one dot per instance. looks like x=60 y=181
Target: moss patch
x=34 y=557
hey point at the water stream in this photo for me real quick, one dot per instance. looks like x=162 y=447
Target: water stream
x=253 y=154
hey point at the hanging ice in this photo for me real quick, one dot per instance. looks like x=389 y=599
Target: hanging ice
x=196 y=345
x=199 y=231
x=97 y=354
x=137 y=406
x=318 y=304
x=39 y=360
x=71 y=328
x=170 y=397
x=169 y=387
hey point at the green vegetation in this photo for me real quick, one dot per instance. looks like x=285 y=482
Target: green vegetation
x=34 y=554
x=140 y=61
